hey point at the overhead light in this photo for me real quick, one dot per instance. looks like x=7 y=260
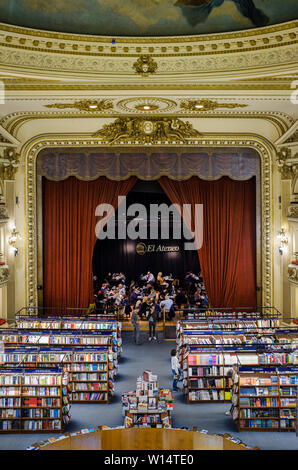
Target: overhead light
x=199 y=106
x=93 y=106
x=147 y=107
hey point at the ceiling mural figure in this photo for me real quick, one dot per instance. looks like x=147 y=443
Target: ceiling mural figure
x=197 y=11
x=146 y=18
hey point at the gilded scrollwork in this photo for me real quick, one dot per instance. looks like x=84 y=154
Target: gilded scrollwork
x=293 y=273
x=84 y=105
x=205 y=104
x=145 y=65
x=144 y=131
x=9 y=164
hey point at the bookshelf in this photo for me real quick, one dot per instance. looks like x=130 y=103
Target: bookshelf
x=267 y=399
x=148 y=406
x=205 y=373
x=210 y=339
x=33 y=400
x=91 y=370
x=89 y=324
x=90 y=377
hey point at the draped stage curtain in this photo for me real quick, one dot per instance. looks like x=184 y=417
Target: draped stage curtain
x=228 y=254
x=69 y=236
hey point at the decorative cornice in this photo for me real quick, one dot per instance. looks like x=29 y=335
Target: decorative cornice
x=15 y=120
x=62 y=54
x=4 y=274
x=146 y=131
x=293 y=273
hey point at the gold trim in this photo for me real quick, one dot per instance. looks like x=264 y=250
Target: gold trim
x=205 y=104
x=149 y=39
x=281 y=121
x=32 y=148
x=84 y=105
x=143 y=130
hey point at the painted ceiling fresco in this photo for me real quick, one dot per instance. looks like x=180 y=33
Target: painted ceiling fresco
x=146 y=17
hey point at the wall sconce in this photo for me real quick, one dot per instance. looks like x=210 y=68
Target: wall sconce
x=283 y=241
x=12 y=240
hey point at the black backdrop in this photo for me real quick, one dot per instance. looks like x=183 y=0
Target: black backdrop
x=121 y=255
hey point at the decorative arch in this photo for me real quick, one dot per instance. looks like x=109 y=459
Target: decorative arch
x=33 y=147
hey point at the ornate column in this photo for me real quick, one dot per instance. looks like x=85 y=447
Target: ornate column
x=288 y=167
x=8 y=166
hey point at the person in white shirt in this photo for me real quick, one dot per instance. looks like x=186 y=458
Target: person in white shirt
x=175 y=369
x=167 y=305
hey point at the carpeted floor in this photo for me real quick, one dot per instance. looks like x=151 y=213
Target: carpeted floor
x=155 y=356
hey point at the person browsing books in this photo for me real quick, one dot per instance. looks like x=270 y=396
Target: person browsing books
x=175 y=369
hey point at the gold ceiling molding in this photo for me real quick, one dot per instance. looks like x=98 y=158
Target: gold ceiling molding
x=32 y=148
x=84 y=105
x=147 y=131
x=147 y=104
x=145 y=66
x=14 y=121
x=207 y=105
x=143 y=40
x=271 y=48
x=18 y=85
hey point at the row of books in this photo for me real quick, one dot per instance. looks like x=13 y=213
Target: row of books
x=68 y=324
x=89 y=397
x=205 y=371
x=208 y=395
x=209 y=383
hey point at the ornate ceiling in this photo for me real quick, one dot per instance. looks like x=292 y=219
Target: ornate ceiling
x=146 y=18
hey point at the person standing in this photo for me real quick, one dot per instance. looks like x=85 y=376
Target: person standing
x=152 y=317
x=234 y=389
x=175 y=369
x=136 y=326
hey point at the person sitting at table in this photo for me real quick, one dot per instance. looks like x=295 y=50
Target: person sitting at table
x=150 y=278
x=161 y=280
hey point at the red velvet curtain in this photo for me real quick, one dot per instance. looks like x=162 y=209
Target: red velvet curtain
x=228 y=254
x=69 y=236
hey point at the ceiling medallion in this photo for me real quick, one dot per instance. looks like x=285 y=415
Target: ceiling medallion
x=146 y=104
x=145 y=65
x=139 y=130
x=207 y=105
x=84 y=105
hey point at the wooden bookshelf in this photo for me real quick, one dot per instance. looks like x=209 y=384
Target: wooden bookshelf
x=107 y=326
x=33 y=400
x=76 y=361
x=205 y=373
x=90 y=377
x=267 y=399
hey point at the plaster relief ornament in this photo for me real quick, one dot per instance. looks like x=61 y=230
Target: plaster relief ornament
x=207 y=105
x=145 y=65
x=84 y=105
x=145 y=131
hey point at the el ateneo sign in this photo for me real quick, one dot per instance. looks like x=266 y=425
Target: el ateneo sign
x=143 y=248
